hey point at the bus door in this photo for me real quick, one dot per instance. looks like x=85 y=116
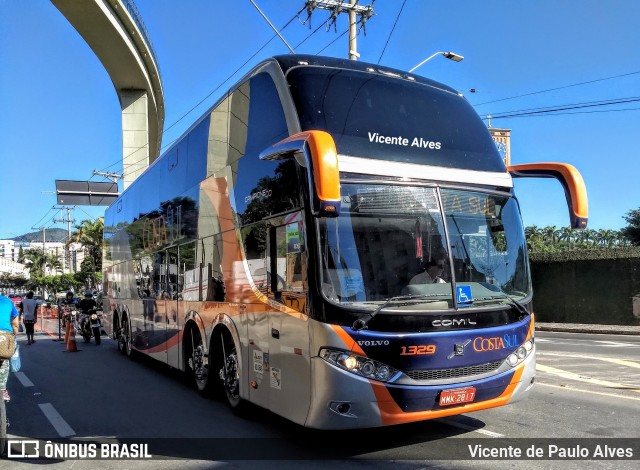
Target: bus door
x=257 y=317
x=154 y=308
x=173 y=303
x=146 y=276
x=289 y=368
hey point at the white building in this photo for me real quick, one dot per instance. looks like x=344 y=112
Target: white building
x=13 y=267
x=70 y=258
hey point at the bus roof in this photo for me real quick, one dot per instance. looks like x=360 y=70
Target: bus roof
x=290 y=61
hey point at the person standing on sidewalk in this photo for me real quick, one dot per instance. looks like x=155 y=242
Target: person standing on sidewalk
x=9 y=322
x=29 y=310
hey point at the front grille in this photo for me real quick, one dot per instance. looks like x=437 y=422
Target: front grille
x=439 y=374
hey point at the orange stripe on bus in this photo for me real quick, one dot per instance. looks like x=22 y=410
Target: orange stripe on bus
x=531 y=327
x=348 y=340
x=171 y=342
x=391 y=413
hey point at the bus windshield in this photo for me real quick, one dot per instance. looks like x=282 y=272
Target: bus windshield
x=393 y=240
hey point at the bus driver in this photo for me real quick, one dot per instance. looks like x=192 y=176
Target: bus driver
x=431 y=275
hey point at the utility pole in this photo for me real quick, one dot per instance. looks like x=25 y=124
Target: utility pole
x=353 y=11
x=353 y=41
x=112 y=176
x=68 y=220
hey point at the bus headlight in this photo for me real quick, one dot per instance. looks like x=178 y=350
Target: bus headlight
x=359 y=365
x=520 y=354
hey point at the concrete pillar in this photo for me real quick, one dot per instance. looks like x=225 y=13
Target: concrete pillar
x=135 y=134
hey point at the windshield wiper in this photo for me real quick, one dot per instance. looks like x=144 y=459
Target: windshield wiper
x=517 y=305
x=361 y=323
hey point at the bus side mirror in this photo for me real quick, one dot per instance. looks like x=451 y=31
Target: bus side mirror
x=571 y=180
x=321 y=157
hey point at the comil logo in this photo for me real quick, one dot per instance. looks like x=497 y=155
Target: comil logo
x=453 y=322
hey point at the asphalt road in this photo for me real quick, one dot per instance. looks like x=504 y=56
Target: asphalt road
x=587 y=389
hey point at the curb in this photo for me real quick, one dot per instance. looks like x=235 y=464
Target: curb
x=590 y=329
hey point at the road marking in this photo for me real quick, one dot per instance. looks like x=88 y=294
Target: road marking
x=57 y=421
x=580 y=378
x=571 y=389
x=620 y=362
x=578 y=342
x=24 y=380
x=614 y=344
x=466 y=427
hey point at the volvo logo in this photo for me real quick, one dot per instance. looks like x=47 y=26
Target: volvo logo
x=377 y=342
x=454 y=322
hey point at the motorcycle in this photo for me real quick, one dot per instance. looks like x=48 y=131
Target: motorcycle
x=90 y=324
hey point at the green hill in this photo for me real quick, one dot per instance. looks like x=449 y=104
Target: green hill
x=51 y=235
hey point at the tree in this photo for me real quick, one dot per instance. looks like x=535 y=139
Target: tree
x=12 y=281
x=587 y=238
x=632 y=231
x=534 y=238
x=38 y=261
x=89 y=235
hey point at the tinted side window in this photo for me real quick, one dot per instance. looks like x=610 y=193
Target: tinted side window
x=264 y=187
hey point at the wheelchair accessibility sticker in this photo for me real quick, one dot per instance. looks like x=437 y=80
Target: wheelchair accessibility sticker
x=463 y=295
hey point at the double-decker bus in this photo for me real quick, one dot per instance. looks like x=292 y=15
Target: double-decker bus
x=337 y=242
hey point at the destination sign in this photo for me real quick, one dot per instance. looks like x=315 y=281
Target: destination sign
x=470 y=204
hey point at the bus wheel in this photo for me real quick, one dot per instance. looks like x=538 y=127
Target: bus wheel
x=124 y=340
x=198 y=363
x=230 y=375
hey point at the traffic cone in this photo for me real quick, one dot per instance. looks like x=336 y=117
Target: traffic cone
x=71 y=344
x=67 y=331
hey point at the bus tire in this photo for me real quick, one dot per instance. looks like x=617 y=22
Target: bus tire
x=124 y=339
x=197 y=363
x=229 y=373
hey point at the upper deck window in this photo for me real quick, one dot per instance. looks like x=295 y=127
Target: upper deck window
x=386 y=118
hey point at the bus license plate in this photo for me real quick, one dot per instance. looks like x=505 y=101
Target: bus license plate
x=457 y=396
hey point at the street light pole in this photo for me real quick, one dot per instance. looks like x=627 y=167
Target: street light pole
x=448 y=55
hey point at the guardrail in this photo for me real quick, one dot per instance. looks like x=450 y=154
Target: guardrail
x=137 y=19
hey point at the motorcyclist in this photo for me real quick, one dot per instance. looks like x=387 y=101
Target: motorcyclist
x=66 y=304
x=86 y=305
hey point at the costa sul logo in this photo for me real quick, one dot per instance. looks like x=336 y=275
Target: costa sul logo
x=481 y=344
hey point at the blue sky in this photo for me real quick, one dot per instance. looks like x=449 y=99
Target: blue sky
x=61 y=118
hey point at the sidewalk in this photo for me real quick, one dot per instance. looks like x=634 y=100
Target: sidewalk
x=586 y=328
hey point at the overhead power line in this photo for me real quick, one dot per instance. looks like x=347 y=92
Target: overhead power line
x=606 y=102
x=564 y=114
x=568 y=107
x=331 y=43
x=190 y=110
x=392 y=30
x=125 y=173
x=558 y=88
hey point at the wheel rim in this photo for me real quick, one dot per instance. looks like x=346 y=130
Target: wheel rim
x=230 y=375
x=199 y=366
x=126 y=338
